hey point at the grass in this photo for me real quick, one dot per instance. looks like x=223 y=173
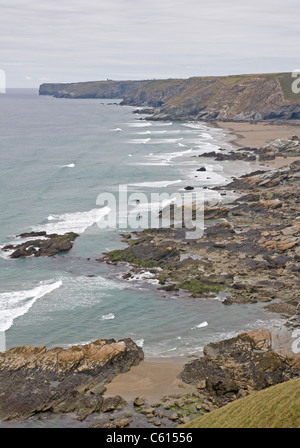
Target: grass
x=275 y=407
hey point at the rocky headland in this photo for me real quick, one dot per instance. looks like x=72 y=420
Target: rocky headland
x=256 y=97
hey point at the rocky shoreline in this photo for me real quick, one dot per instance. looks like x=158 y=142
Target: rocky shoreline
x=50 y=385
x=250 y=250
x=249 y=253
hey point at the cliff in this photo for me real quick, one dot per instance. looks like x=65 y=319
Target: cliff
x=233 y=98
x=93 y=89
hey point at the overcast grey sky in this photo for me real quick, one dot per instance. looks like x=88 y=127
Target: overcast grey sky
x=82 y=40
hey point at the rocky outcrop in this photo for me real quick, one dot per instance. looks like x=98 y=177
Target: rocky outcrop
x=267 y=179
x=47 y=246
x=236 y=367
x=34 y=379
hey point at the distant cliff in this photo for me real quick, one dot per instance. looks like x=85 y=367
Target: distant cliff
x=239 y=98
x=92 y=89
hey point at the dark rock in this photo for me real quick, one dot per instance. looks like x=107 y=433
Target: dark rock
x=113 y=403
x=61 y=380
x=243 y=362
x=189 y=188
x=31 y=234
x=46 y=247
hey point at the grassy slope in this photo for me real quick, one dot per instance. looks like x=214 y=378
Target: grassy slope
x=275 y=407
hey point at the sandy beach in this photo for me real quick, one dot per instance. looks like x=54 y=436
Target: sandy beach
x=152 y=380
x=260 y=134
x=257 y=134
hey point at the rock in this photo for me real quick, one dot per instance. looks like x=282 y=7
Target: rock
x=202 y=168
x=123 y=423
x=248 y=198
x=32 y=234
x=157 y=423
x=201 y=384
x=113 y=403
x=173 y=417
x=61 y=380
x=207 y=407
x=236 y=364
x=185 y=420
x=148 y=411
x=107 y=425
x=139 y=401
x=216 y=212
x=49 y=246
x=189 y=188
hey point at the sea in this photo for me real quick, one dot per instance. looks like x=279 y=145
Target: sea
x=56 y=157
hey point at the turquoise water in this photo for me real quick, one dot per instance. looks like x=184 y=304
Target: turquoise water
x=56 y=157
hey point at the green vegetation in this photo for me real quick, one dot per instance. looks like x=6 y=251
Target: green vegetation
x=275 y=407
x=123 y=255
x=199 y=287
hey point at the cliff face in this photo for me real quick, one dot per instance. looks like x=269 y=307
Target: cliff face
x=238 y=98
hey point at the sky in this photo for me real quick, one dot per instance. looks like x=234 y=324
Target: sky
x=85 y=40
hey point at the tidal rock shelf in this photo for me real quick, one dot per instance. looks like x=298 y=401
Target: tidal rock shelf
x=34 y=379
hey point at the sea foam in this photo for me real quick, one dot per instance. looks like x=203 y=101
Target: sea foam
x=16 y=303
x=76 y=222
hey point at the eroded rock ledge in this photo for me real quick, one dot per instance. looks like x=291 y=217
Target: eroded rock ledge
x=34 y=379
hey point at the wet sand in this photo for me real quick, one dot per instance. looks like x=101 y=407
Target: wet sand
x=152 y=380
